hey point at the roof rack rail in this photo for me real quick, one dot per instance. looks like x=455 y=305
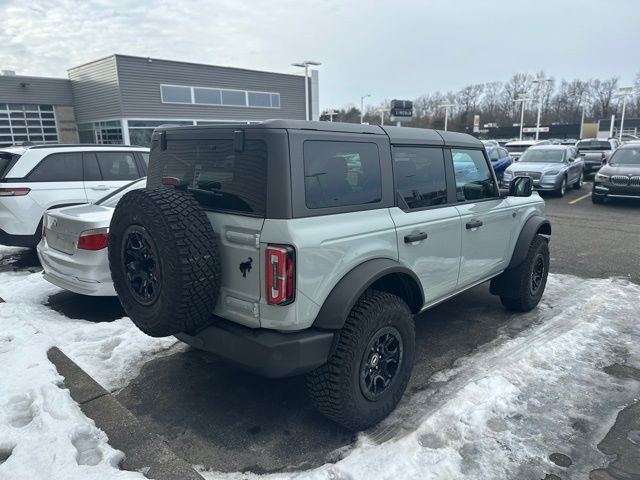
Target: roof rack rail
x=67 y=145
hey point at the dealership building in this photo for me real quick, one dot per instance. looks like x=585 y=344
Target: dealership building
x=121 y=99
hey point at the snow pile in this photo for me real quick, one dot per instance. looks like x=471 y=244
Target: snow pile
x=43 y=433
x=500 y=412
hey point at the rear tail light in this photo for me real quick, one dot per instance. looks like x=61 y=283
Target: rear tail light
x=14 y=192
x=96 y=239
x=281 y=274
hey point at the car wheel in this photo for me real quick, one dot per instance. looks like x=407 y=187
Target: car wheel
x=580 y=182
x=369 y=369
x=528 y=280
x=563 y=187
x=164 y=261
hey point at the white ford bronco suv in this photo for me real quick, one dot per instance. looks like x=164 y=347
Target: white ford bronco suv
x=293 y=247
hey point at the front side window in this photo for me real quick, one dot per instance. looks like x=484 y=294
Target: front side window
x=58 y=167
x=495 y=154
x=473 y=177
x=419 y=175
x=338 y=174
x=117 y=166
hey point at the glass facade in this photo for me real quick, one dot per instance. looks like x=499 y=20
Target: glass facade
x=218 y=96
x=101 y=132
x=21 y=123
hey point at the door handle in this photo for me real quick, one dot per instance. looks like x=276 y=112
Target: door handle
x=474 y=223
x=415 y=237
x=100 y=187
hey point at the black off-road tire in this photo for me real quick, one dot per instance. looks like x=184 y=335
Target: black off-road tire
x=335 y=388
x=184 y=260
x=521 y=296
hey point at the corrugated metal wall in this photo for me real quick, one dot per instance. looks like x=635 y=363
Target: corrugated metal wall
x=36 y=90
x=95 y=89
x=140 y=81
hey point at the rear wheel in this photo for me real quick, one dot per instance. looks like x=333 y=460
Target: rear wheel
x=580 y=182
x=368 y=371
x=528 y=280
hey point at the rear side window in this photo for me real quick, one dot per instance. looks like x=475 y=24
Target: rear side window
x=7 y=159
x=58 y=167
x=338 y=174
x=473 y=177
x=419 y=175
x=117 y=166
x=219 y=177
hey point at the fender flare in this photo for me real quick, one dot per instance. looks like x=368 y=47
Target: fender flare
x=534 y=225
x=349 y=289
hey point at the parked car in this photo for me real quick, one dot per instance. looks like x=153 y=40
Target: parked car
x=36 y=178
x=628 y=137
x=73 y=249
x=569 y=141
x=264 y=244
x=490 y=143
x=596 y=151
x=500 y=160
x=551 y=167
x=518 y=147
x=620 y=176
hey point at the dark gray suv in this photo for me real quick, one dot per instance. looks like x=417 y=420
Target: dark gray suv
x=620 y=176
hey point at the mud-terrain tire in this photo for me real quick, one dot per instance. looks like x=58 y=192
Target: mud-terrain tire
x=379 y=332
x=528 y=280
x=164 y=261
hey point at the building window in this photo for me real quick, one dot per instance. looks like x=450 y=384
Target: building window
x=103 y=133
x=21 y=123
x=218 y=96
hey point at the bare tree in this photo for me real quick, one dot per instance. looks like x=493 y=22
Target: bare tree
x=602 y=94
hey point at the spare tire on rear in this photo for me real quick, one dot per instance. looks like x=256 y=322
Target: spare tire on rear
x=164 y=261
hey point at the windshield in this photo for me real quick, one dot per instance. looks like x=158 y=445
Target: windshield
x=593 y=145
x=6 y=159
x=114 y=197
x=542 y=156
x=626 y=156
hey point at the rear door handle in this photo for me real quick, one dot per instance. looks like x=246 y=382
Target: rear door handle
x=100 y=187
x=474 y=223
x=415 y=237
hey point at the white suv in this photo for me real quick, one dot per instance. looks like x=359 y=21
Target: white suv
x=36 y=178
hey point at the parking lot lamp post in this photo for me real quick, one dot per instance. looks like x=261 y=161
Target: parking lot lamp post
x=305 y=65
x=541 y=82
x=624 y=92
x=362 y=107
x=522 y=98
x=446 y=107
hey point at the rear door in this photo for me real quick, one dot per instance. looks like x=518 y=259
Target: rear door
x=487 y=222
x=427 y=223
x=229 y=181
x=106 y=171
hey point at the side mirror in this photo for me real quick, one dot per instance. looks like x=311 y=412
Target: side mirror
x=521 y=187
x=571 y=160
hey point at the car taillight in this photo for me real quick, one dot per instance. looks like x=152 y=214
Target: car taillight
x=281 y=274
x=14 y=192
x=96 y=239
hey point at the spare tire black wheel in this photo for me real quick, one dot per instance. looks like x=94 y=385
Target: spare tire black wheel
x=164 y=261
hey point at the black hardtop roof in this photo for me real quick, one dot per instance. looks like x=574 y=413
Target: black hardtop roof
x=397 y=135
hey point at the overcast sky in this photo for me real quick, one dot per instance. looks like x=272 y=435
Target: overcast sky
x=390 y=49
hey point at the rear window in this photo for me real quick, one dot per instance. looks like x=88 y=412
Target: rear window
x=219 y=177
x=517 y=148
x=58 y=167
x=7 y=159
x=593 y=145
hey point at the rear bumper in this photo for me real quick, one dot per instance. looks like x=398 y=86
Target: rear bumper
x=266 y=352
x=11 y=240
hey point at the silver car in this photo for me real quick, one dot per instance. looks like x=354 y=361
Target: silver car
x=551 y=167
x=73 y=249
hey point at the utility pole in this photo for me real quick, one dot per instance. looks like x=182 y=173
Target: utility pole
x=540 y=82
x=522 y=98
x=362 y=106
x=624 y=92
x=305 y=65
x=446 y=107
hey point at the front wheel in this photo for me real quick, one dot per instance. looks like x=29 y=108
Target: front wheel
x=369 y=369
x=528 y=280
x=580 y=182
x=563 y=188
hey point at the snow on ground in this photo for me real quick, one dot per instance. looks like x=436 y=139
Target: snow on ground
x=501 y=411
x=498 y=413
x=43 y=433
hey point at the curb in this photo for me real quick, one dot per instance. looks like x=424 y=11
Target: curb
x=145 y=451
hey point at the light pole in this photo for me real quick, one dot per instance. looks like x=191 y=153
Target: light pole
x=540 y=81
x=381 y=111
x=446 y=107
x=522 y=98
x=331 y=114
x=362 y=106
x=624 y=92
x=305 y=65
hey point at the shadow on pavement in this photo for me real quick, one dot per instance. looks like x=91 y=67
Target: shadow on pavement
x=22 y=259
x=83 y=307
x=216 y=415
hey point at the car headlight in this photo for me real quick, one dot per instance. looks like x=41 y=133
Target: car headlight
x=507 y=174
x=601 y=178
x=551 y=173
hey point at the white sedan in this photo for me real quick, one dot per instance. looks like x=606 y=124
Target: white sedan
x=73 y=250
